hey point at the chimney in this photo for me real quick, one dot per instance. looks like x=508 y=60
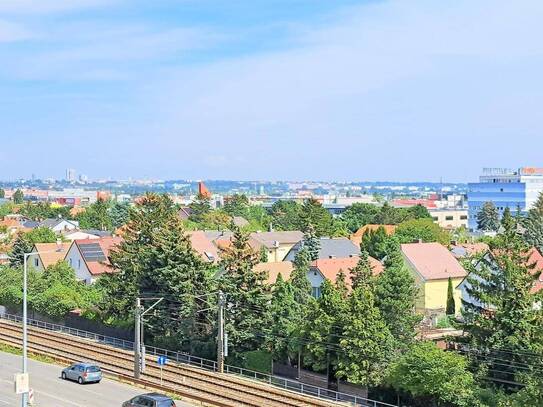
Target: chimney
x=331 y=256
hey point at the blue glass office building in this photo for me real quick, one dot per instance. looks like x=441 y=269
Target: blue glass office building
x=506 y=189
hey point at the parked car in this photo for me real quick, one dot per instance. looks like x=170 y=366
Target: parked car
x=150 y=400
x=82 y=373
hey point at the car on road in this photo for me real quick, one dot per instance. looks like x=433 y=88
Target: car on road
x=150 y=400
x=82 y=373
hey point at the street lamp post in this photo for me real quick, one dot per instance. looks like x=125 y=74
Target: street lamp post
x=24 y=398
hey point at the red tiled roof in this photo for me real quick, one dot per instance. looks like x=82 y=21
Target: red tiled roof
x=537 y=260
x=428 y=203
x=330 y=268
x=106 y=244
x=203 y=246
x=432 y=261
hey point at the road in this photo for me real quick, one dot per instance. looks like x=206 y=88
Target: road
x=51 y=391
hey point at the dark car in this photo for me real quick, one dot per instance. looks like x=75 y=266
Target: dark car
x=150 y=400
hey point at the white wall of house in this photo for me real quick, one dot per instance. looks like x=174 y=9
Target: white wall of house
x=64 y=226
x=316 y=279
x=75 y=261
x=34 y=261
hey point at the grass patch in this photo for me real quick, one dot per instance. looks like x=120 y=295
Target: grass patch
x=14 y=350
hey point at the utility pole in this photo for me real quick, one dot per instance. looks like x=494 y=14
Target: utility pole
x=220 y=335
x=137 y=337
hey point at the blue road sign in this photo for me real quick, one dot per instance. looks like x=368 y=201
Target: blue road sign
x=162 y=360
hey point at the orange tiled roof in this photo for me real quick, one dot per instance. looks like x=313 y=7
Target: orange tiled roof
x=50 y=254
x=330 y=268
x=274 y=269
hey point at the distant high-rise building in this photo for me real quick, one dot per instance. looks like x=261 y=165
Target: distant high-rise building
x=505 y=188
x=83 y=178
x=70 y=174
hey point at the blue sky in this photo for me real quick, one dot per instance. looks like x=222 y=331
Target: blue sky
x=270 y=89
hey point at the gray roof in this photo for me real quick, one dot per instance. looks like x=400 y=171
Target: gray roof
x=31 y=224
x=339 y=247
x=240 y=221
x=96 y=232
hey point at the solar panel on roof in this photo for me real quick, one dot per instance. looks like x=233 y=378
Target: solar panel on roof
x=92 y=252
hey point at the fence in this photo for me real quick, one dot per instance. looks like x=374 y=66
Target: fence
x=185 y=358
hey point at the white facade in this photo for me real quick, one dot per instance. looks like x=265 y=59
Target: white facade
x=65 y=225
x=75 y=260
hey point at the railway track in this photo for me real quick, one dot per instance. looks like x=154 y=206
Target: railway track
x=217 y=389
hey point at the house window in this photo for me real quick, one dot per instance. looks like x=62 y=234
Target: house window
x=448 y=217
x=78 y=264
x=71 y=262
x=434 y=218
x=36 y=262
x=463 y=217
x=316 y=292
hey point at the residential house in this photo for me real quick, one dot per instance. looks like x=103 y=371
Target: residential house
x=319 y=270
x=450 y=218
x=203 y=246
x=56 y=225
x=534 y=258
x=462 y=250
x=337 y=247
x=184 y=213
x=431 y=264
x=276 y=244
x=47 y=254
x=90 y=257
x=85 y=234
x=356 y=237
x=240 y=221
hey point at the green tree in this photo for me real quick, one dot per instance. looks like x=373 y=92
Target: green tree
x=237 y=205
x=500 y=319
x=42 y=234
x=96 y=216
x=451 y=306
x=395 y=296
x=323 y=329
x=507 y=221
x=247 y=295
x=44 y=210
x=533 y=230
x=313 y=214
x=133 y=257
x=366 y=342
x=312 y=242
x=298 y=278
x=375 y=242
x=488 y=219
x=285 y=319
x=2 y=193
x=21 y=246
x=433 y=377
x=358 y=215
x=362 y=273
x=421 y=229
x=200 y=207
x=538 y=205
x=18 y=197
x=286 y=215
x=118 y=213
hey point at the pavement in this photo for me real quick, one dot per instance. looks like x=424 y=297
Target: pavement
x=51 y=391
